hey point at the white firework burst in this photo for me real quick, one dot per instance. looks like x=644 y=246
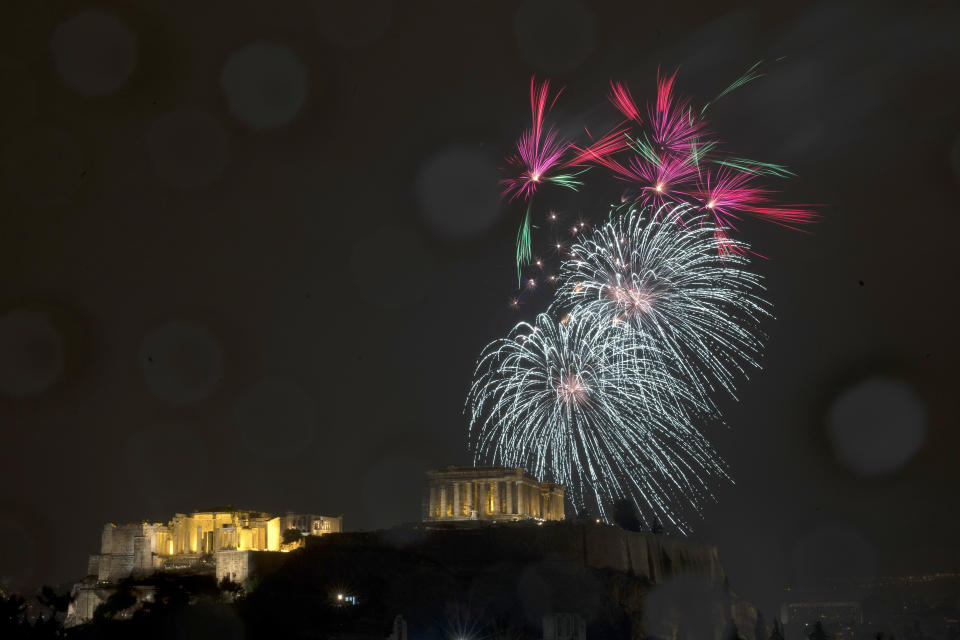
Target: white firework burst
x=661 y=279
x=577 y=401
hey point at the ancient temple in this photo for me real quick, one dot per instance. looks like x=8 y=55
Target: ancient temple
x=489 y=493
x=221 y=541
x=187 y=540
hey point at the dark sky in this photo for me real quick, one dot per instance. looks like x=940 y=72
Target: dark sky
x=251 y=251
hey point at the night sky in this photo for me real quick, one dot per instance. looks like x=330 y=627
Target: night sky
x=251 y=251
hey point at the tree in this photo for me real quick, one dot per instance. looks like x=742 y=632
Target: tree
x=12 y=614
x=230 y=590
x=117 y=602
x=818 y=632
x=777 y=633
x=760 y=631
x=57 y=603
x=625 y=516
x=291 y=535
x=731 y=632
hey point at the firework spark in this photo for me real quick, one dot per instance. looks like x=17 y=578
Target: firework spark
x=542 y=158
x=674 y=129
x=668 y=287
x=727 y=195
x=674 y=160
x=539 y=150
x=578 y=402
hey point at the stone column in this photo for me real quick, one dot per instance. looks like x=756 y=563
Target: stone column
x=432 y=509
x=482 y=497
x=468 y=496
x=456 y=500
x=496 y=497
x=508 y=485
x=520 y=501
x=443 y=501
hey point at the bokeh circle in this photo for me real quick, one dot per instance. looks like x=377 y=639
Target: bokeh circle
x=265 y=84
x=877 y=425
x=94 y=52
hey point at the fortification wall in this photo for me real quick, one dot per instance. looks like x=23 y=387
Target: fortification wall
x=233 y=565
x=643 y=554
x=238 y=566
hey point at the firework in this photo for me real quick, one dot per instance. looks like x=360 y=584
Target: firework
x=727 y=195
x=664 y=164
x=542 y=157
x=576 y=401
x=660 y=279
x=675 y=160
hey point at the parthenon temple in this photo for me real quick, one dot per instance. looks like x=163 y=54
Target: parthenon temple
x=489 y=493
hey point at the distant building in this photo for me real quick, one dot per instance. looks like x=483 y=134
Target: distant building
x=489 y=493
x=564 y=626
x=841 y=619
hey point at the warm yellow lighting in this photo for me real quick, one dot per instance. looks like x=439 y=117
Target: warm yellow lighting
x=535 y=177
x=659 y=187
x=339 y=596
x=710 y=204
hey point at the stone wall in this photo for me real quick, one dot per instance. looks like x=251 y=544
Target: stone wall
x=233 y=565
x=240 y=566
x=86 y=599
x=642 y=554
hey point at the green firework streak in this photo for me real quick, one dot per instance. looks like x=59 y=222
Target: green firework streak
x=751 y=75
x=644 y=149
x=568 y=180
x=756 y=167
x=523 y=246
x=698 y=151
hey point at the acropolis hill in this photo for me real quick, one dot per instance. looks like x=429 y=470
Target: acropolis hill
x=473 y=518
